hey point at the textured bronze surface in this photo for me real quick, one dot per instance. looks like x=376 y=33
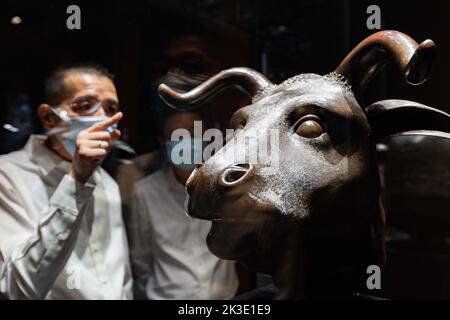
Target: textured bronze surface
x=314 y=222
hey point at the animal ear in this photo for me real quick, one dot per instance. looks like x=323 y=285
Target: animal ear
x=406 y=118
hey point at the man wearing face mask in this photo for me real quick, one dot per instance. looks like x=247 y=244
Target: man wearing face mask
x=61 y=230
x=168 y=249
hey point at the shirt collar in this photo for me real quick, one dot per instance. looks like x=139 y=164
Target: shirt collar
x=43 y=157
x=172 y=183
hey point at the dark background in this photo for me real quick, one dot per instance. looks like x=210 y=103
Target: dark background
x=138 y=42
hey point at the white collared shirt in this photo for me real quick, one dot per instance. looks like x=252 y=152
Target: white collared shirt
x=59 y=239
x=168 y=249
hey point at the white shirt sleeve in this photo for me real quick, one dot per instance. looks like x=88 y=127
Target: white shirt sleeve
x=32 y=254
x=139 y=234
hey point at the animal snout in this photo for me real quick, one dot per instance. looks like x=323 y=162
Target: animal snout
x=192 y=181
x=236 y=175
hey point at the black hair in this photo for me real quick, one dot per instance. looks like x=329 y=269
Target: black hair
x=181 y=83
x=55 y=89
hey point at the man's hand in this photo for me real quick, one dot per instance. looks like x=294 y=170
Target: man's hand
x=93 y=145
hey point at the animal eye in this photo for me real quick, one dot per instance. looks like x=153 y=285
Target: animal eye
x=309 y=126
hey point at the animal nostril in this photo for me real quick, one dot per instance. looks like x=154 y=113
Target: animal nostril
x=235 y=174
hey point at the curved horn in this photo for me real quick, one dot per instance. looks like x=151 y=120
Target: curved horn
x=414 y=61
x=248 y=80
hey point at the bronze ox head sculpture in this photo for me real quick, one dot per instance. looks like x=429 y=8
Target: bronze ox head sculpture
x=315 y=223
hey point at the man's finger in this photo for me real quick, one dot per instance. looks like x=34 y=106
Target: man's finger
x=107 y=123
x=116 y=134
x=93 y=153
x=95 y=144
x=96 y=135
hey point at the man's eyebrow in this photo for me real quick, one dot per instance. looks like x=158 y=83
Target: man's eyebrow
x=85 y=97
x=111 y=100
x=94 y=97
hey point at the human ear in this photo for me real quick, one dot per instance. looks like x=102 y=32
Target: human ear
x=47 y=117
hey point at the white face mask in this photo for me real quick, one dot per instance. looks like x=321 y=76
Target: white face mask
x=185 y=154
x=69 y=128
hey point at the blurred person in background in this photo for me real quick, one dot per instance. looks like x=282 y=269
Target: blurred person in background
x=169 y=255
x=18 y=124
x=61 y=229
